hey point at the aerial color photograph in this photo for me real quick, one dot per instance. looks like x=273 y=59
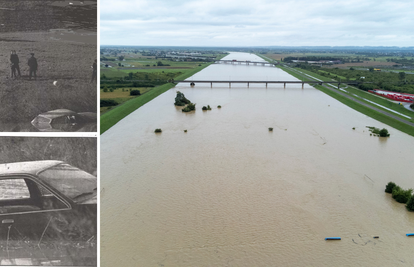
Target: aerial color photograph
x=262 y=133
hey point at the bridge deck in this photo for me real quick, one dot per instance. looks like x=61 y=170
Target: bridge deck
x=246 y=62
x=284 y=82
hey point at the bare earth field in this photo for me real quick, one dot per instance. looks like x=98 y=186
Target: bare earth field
x=59 y=59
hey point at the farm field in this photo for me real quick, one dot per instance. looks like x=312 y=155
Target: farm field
x=120 y=95
x=374 y=61
x=364 y=64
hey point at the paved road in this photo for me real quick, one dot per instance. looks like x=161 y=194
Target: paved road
x=360 y=102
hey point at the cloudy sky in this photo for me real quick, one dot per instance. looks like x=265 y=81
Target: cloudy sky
x=257 y=22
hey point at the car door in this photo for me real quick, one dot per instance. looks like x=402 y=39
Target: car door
x=27 y=209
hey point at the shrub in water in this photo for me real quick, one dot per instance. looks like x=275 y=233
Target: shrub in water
x=270 y=129
x=134 y=92
x=401 y=195
x=189 y=107
x=410 y=203
x=204 y=108
x=185 y=131
x=389 y=187
x=218 y=106
x=157 y=131
x=378 y=132
x=384 y=133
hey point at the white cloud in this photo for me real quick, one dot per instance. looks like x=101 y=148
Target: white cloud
x=257 y=23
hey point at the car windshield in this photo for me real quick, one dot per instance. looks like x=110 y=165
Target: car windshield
x=71 y=181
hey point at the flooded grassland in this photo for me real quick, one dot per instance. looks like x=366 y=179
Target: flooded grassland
x=230 y=193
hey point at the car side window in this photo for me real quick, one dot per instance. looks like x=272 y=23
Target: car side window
x=49 y=201
x=13 y=189
x=25 y=195
x=15 y=196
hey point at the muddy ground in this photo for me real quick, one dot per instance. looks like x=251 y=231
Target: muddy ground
x=67 y=62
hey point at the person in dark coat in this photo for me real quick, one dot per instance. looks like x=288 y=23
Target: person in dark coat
x=32 y=62
x=94 y=71
x=12 y=61
x=16 y=63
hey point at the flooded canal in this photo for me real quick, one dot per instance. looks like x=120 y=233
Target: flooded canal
x=230 y=193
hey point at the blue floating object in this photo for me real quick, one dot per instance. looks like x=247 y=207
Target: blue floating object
x=333 y=238
x=410 y=234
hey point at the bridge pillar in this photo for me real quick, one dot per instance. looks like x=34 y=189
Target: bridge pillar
x=211 y=85
x=284 y=85
x=247 y=84
x=302 y=85
x=266 y=85
x=229 y=85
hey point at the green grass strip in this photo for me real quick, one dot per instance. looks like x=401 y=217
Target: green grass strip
x=112 y=117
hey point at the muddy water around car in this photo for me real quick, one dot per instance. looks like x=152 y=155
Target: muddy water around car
x=228 y=192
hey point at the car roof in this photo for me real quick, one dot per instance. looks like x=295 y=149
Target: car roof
x=31 y=167
x=57 y=113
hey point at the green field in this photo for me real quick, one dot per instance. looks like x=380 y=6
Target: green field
x=121 y=95
x=115 y=72
x=338 y=76
x=139 y=63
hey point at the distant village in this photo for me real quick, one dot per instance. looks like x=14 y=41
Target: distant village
x=111 y=54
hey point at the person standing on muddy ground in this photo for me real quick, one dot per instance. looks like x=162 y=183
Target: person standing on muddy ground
x=32 y=62
x=12 y=61
x=16 y=63
x=94 y=71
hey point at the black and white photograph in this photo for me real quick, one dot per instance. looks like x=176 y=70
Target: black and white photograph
x=48 y=201
x=48 y=66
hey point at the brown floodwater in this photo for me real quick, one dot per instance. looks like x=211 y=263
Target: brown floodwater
x=230 y=193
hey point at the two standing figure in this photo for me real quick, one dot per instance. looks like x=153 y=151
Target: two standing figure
x=15 y=68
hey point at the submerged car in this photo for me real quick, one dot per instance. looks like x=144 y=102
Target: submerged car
x=47 y=199
x=65 y=120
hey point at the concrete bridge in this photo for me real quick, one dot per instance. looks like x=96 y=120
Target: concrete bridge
x=194 y=82
x=246 y=62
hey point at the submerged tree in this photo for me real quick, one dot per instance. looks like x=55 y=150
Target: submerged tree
x=180 y=99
